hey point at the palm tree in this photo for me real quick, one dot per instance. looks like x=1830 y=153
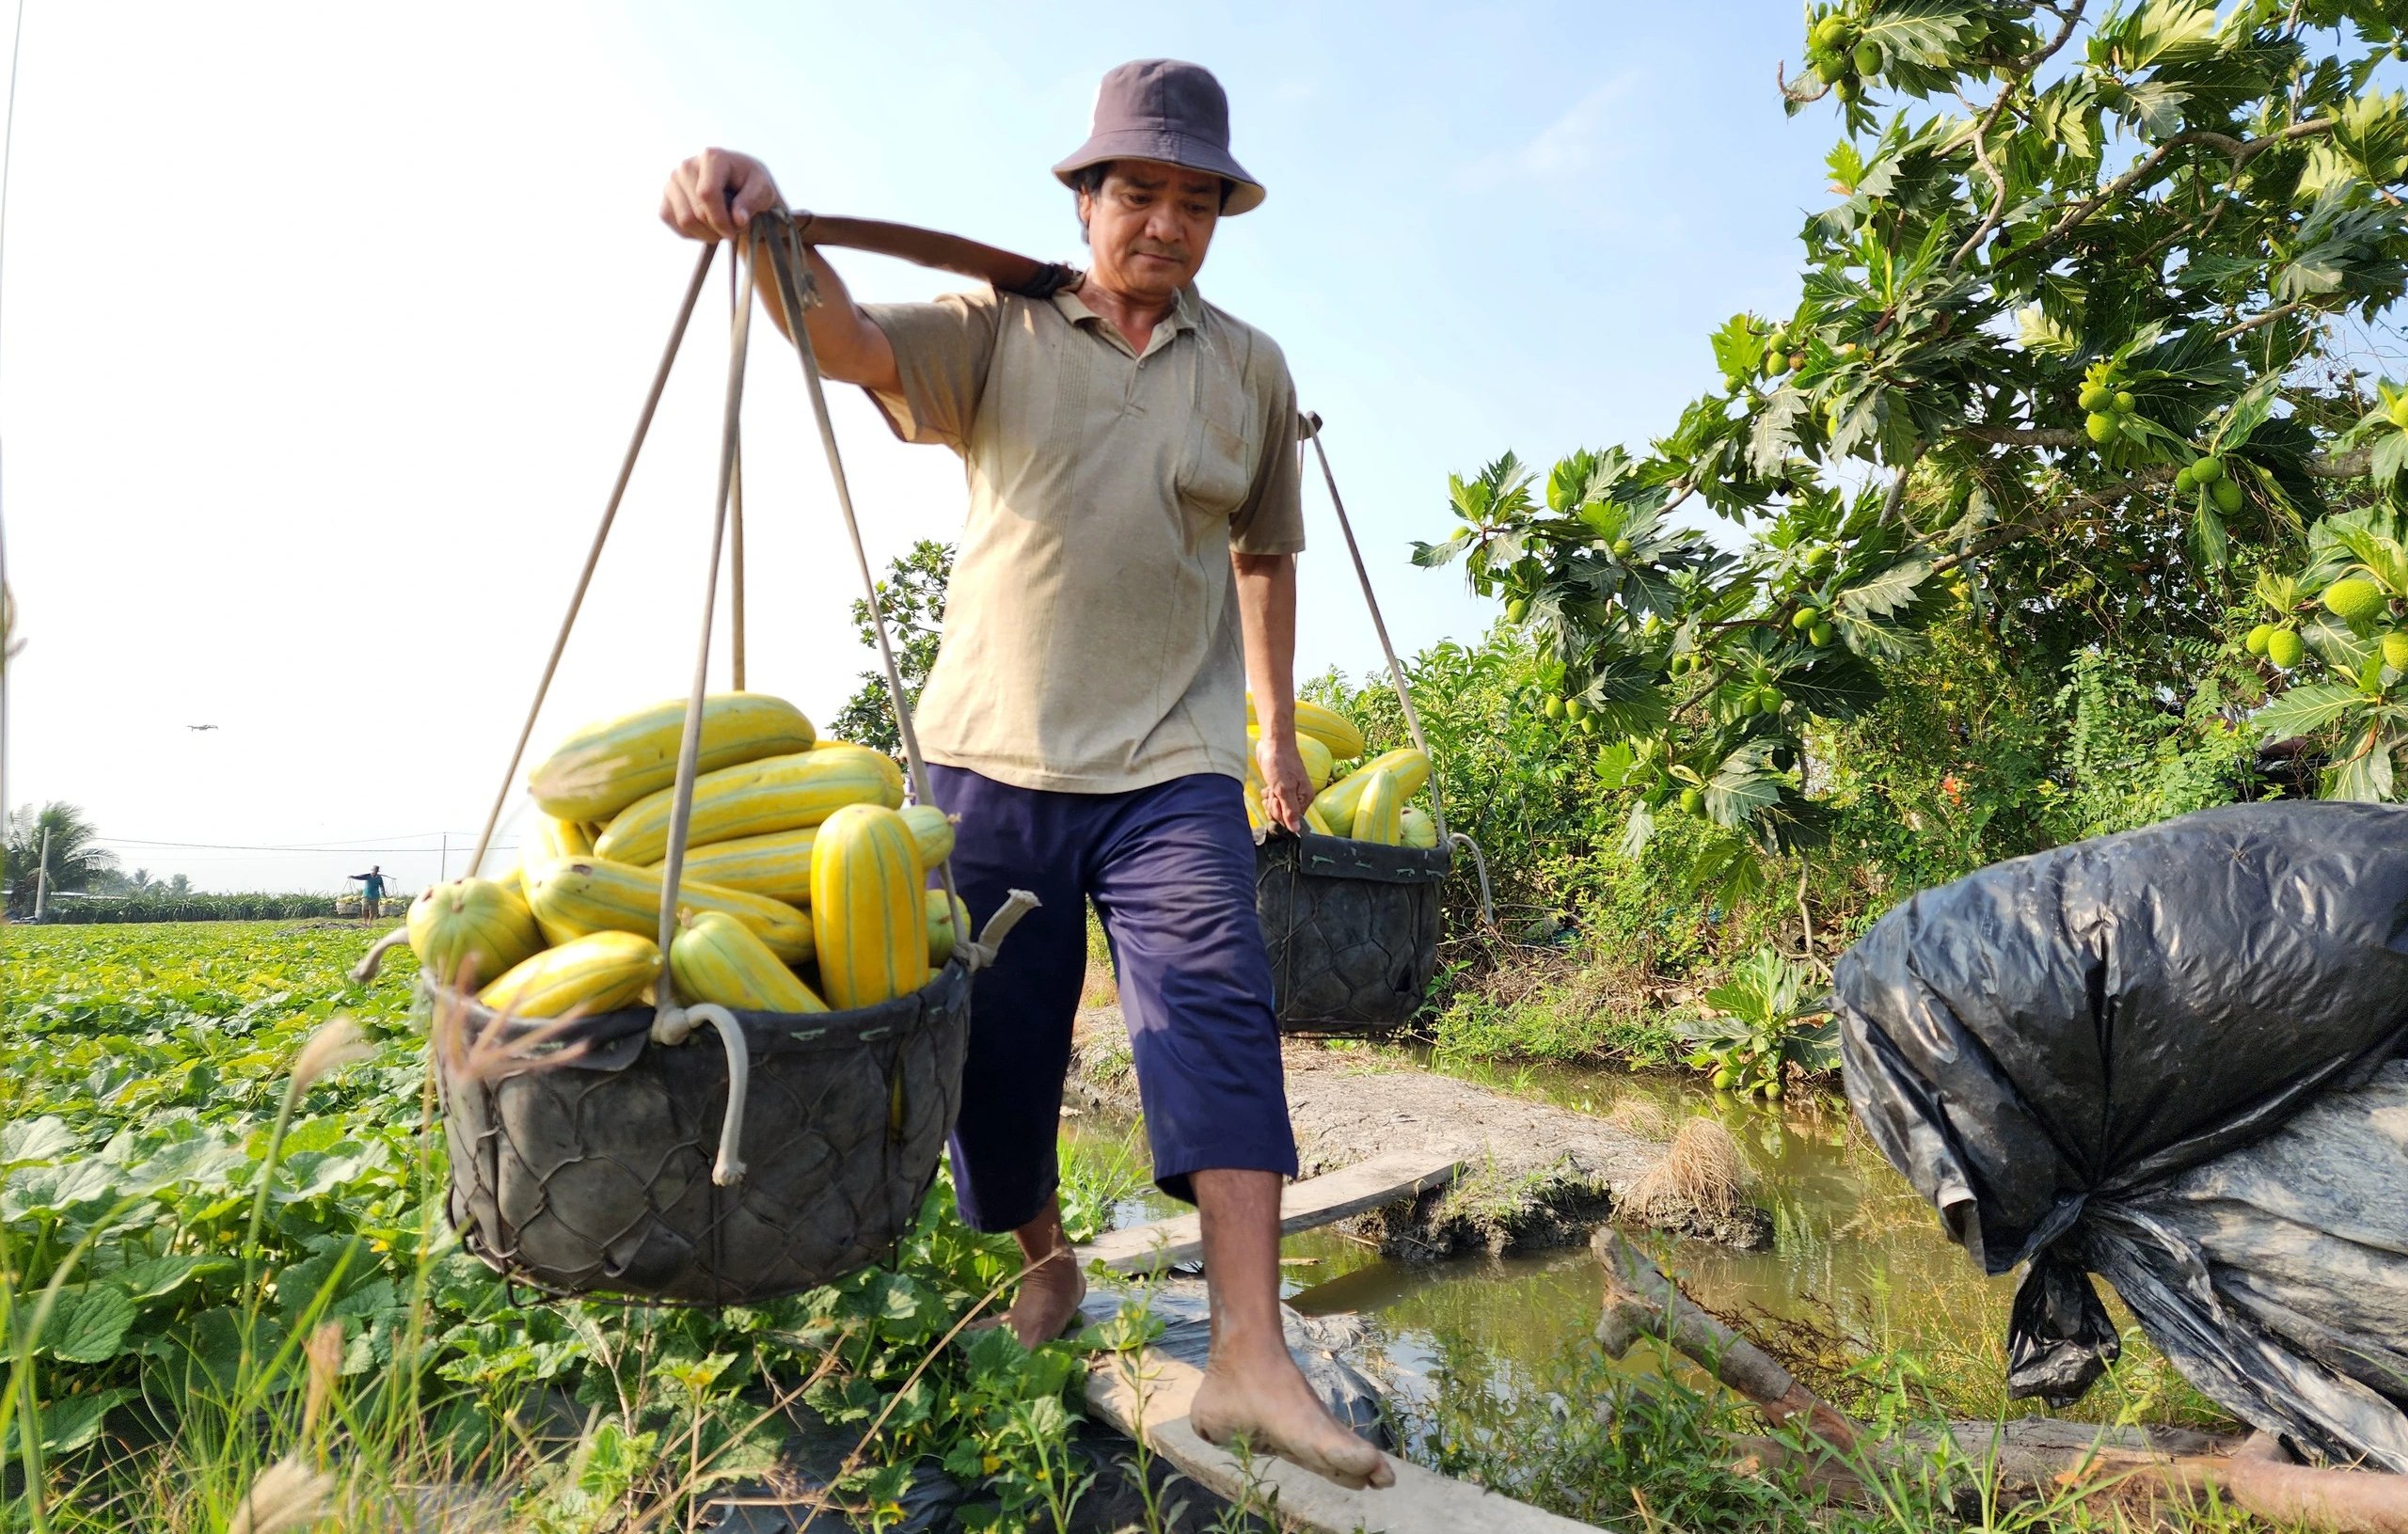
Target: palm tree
x=76 y=859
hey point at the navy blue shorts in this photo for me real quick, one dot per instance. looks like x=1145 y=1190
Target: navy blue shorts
x=1170 y=869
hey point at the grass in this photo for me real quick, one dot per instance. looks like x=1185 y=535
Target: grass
x=1655 y=1451
x=226 y=1282
x=1553 y=1006
x=1703 y=1170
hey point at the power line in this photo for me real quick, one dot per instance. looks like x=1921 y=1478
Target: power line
x=244 y=846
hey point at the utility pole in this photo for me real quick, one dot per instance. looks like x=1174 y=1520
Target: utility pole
x=41 y=876
x=443 y=867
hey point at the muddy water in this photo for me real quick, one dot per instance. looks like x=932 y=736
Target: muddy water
x=1856 y=1255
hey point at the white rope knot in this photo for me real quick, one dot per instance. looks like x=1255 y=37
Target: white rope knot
x=673 y=1026
x=978 y=954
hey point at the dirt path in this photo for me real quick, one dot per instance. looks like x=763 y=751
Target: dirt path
x=1535 y=1175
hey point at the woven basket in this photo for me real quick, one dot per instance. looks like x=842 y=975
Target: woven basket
x=1353 y=931
x=594 y=1175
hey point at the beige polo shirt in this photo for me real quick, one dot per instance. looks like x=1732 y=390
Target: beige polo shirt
x=1091 y=632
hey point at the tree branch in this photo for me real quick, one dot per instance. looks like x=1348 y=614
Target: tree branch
x=2267 y=318
x=2023 y=68
x=2322 y=465
x=1897 y=494
x=1780 y=77
x=2239 y=151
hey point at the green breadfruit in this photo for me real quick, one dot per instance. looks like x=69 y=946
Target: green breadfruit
x=2355 y=599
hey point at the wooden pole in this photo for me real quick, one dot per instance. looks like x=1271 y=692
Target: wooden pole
x=1642 y=1301
x=735 y=533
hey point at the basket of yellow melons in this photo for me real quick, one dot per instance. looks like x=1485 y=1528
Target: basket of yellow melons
x=1350 y=908
x=588 y=1155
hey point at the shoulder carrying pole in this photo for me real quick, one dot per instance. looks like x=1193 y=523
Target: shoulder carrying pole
x=1309 y=426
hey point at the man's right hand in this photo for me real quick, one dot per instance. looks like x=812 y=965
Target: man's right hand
x=714 y=194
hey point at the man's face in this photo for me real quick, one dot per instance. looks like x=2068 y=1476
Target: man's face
x=1150 y=225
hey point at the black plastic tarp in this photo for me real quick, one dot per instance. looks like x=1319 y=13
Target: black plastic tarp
x=2045 y=1048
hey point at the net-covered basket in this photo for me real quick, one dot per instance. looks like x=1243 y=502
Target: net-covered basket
x=1351 y=928
x=594 y=1174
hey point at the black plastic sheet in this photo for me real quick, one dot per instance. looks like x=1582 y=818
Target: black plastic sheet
x=2047 y=1046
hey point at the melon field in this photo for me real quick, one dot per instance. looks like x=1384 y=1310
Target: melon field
x=223 y=1267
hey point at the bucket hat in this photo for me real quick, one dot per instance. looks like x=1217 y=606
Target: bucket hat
x=1167 y=110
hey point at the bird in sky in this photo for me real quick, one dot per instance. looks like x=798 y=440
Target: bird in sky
x=200 y=727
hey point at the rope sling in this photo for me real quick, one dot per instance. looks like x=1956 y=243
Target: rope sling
x=1353 y=928
x=599 y=1155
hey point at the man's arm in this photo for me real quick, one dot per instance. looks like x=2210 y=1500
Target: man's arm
x=713 y=196
x=1267 y=610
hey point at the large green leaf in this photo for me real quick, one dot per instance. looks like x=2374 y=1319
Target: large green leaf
x=42 y=1139
x=2305 y=710
x=1837 y=686
x=67 y=1423
x=1883 y=593
x=2365 y=774
x=1743 y=786
x=88 y=1324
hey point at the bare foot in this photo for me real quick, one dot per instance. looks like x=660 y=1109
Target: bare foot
x=1047 y=1299
x=1266 y=1401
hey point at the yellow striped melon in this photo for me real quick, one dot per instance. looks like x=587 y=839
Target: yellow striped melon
x=471 y=930
x=1315 y=822
x=1379 y=810
x=1418 y=828
x=868 y=912
x=1319 y=762
x=1406 y=764
x=601 y=770
x=597 y=973
x=753 y=799
x=947 y=921
x=777 y=865
x=1326 y=725
x=1255 y=815
x=577 y=895
x=715 y=957
x=549 y=837
x=932 y=830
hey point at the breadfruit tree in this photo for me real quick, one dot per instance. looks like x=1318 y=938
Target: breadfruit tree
x=2080 y=354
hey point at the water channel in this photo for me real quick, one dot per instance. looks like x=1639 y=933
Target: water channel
x=1856 y=1253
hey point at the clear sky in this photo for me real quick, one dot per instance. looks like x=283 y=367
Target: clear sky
x=325 y=328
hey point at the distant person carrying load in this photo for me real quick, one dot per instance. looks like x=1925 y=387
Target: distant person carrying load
x=372 y=892
x=1128 y=564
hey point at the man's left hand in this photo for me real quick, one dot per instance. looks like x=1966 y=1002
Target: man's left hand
x=1286 y=789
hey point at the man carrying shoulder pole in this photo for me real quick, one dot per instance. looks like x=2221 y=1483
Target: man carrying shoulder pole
x=1127 y=567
